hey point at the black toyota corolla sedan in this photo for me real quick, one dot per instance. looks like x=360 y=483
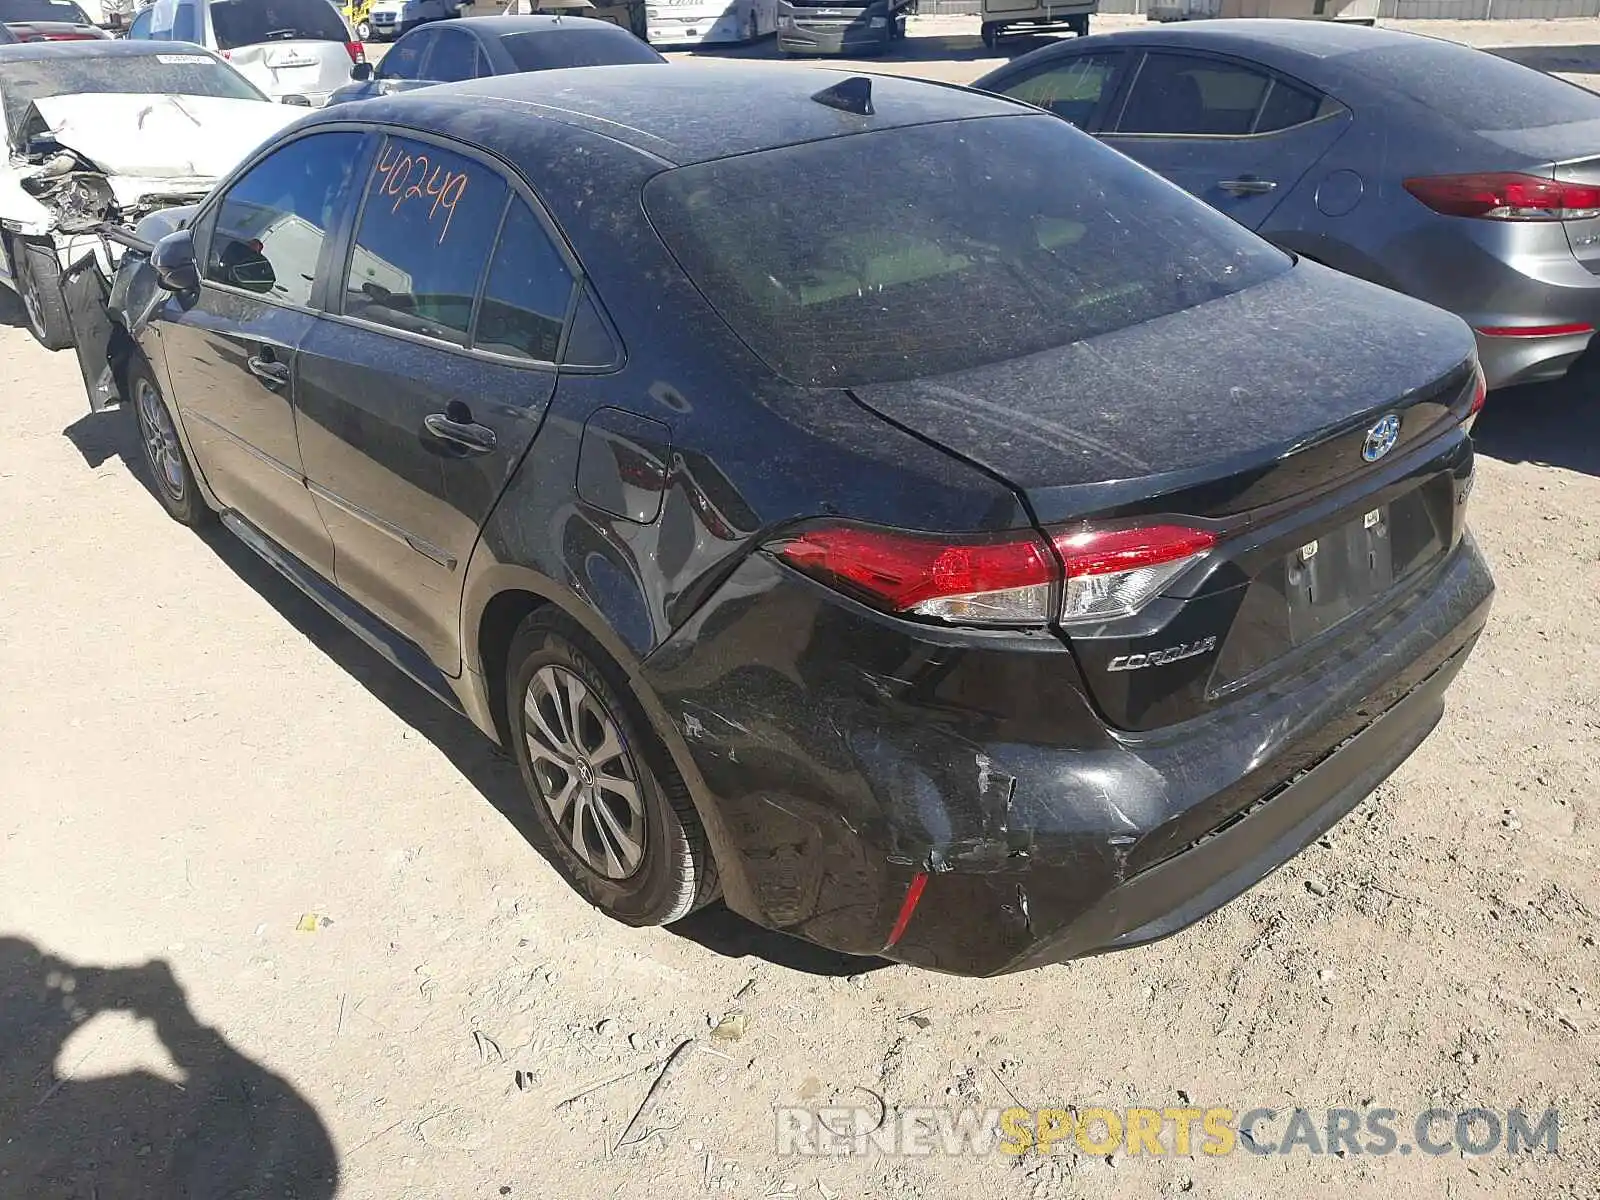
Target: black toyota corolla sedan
x=884 y=506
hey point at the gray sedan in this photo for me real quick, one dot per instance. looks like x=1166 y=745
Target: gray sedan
x=1434 y=169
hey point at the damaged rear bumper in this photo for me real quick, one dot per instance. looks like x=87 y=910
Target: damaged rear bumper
x=844 y=754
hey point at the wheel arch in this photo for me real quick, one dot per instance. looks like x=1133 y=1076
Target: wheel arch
x=498 y=598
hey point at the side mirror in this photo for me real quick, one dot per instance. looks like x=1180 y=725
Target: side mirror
x=173 y=260
x=361 y=72
x=295 y=100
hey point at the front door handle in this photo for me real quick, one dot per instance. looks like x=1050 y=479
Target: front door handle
x=468 y=434
x=1247 y=185
x=268 y=369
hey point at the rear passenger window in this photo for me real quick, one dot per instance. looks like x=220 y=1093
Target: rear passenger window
x=1178 y=94
x=1286 y=107
x=525 y=302
x=1072 y=89
x=272 y=224
x=426 y=226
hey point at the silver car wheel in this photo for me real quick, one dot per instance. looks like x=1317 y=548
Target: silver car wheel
x=161 y=447
x=584 y=772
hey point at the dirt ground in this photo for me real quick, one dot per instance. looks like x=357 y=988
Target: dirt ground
x=370 y=964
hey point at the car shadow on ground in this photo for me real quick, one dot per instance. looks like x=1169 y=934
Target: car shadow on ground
x=229 y=1128
x=11 y=311
x=1548 y=424
x=102 y=436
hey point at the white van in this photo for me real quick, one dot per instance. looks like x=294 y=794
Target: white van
x=288 y=48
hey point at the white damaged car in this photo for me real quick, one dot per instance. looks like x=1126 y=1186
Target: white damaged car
x=101 y=134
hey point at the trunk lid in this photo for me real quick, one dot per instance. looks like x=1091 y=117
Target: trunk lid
x=287 y=68
x=1247 y=416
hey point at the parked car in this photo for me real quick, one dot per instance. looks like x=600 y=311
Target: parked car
x=299 y=49
x=494 y=46
x=108 y=132
x=1441 y=171
x=389 y=19
x=1013 y=570
x=47 y=21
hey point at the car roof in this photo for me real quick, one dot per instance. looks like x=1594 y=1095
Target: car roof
x=96 y=48
x=1315 y=39
x=681 y=113
x=498 y=27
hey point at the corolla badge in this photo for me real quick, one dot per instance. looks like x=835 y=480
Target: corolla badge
x=1381 y=438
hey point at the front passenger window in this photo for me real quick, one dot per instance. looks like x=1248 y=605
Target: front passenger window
x=426 y=226
x=405 y=60
x=1072 y=90
x=271 y=225
x=454 y=58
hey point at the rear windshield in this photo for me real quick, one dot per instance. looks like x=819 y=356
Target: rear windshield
x=251 y=22
x=921 y=251
x=180 y=71
x=555 y=48
x=1476 y=90
x=43 y=10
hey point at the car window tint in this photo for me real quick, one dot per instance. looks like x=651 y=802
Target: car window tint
x=525 y=301
x=1071 y=88
x=271 y=225
x=454 y=58
x=186 y=23
x=253 y=22
x=426 y=226
x=575 y=46
x=405 y=60
x=1286 y=107
x=1177 y=94
x=967 y=242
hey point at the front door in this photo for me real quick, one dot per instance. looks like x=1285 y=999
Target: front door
x=419 y=398
x=1228 y=132
x=230 y=354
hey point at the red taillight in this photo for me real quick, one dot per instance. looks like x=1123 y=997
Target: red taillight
x=1009 y=579
x=1116 y=572
x=357 y=52
x=985 y=581
x=1506 y=196
x=1570 y=329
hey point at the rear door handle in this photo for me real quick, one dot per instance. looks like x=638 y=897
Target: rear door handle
x=1247 y=185
x=268 y=369
x=469 y=435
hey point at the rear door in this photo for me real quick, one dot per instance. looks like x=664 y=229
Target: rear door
x=1232 y=133
x=284 y=47
x=423 y=388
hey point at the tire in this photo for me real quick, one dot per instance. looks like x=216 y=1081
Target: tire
x=990 y=34
x=642 y=860
x=162 y=461
x=363 y=31
x=37 y=274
